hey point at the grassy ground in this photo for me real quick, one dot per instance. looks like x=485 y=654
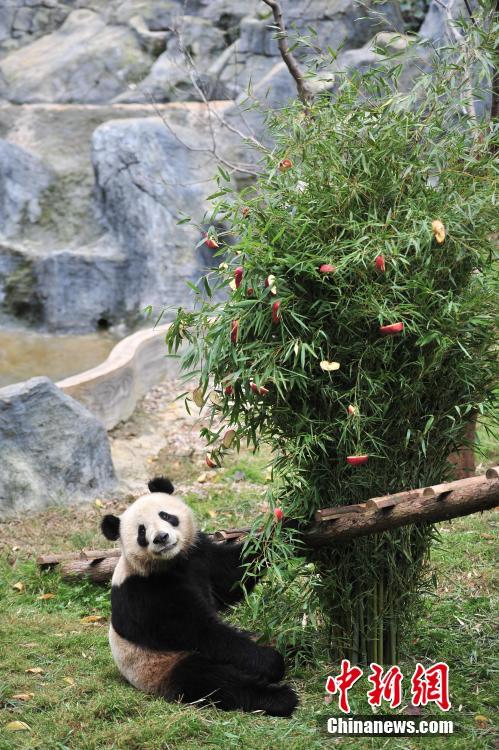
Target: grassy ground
x=76 y=699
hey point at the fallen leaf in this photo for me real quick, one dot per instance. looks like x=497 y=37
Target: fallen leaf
x=481 y=721
x=202 y=478
x=34 y=670
x=23 y=696
x=30 y=645
x=17 y=726
x=69 y=680
x=16 y=548
x=92 y=618
x=99 y=504
x=212 y=513
x=19 y=586
x=48 y=595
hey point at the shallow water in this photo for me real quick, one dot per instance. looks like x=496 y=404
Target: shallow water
x=25 y=354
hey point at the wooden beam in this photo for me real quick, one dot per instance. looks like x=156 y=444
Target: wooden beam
x=335 y=525
x=460 y=498
x=84 y=555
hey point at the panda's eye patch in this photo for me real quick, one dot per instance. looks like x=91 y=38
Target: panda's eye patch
x=141 y=536
x=172 y=520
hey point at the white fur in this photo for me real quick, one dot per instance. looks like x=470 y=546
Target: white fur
x=144 y=669
x=145 y=511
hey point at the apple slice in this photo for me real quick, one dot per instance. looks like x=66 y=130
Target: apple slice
x=238 y=276
x=357 y=460
x=392 y=330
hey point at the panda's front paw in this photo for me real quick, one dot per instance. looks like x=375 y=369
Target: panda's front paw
x=270 y=664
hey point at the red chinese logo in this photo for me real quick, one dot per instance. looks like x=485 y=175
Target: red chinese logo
x=431 y=685
x=387 y=686
x=343 y=682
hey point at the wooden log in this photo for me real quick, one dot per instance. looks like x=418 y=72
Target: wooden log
x=329 y=514
x=461 y=498
x=99 y=570
x=390 y=501
x=49 y=561
x=225 y=535
x=333 y=525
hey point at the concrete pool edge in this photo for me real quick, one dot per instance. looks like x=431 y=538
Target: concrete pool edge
x=111 y=390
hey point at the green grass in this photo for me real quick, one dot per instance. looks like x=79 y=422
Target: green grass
x=80 y=702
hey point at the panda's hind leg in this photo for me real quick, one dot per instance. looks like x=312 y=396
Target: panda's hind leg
x=198 y=679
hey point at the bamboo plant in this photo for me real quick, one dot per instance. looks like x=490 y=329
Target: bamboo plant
x=354 y=337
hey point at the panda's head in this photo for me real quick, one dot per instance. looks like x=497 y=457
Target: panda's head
x=154 y=529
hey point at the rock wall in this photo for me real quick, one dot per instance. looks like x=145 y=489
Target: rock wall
x=106 y=142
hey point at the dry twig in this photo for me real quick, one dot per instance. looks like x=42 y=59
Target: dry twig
x=304 y=91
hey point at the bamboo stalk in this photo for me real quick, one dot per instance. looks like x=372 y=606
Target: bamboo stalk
x=362 y=631
x=355 y=636
x=374 y=624
x=380 y=621
x=393 y=647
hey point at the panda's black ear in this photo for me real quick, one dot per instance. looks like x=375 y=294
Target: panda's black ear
x=161 y=484
x=110 y=526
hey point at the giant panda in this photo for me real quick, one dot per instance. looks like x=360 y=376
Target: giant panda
x=166 y=635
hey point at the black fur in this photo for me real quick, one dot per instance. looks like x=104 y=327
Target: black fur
x=161 y=484
x=172 y=520
x=110 y=526
x=175 y=609
x=141 y=536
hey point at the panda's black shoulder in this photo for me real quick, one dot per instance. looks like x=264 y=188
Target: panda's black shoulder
x=202 y=544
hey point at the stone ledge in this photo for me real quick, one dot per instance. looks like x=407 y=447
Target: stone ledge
x=111 y=390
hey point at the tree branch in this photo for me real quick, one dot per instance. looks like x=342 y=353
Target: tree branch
x=304 y=91
x=332 y=525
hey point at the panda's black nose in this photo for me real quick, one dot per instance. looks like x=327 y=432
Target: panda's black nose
x=161 y=538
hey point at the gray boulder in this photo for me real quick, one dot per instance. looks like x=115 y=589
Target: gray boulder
x=83 y=61
x=252 y=58
x=227 y=13
x=23 y=179
x=82 y=289
x=24 y=21
x=414 y=59
x=181 y=72
x=52 y=450
x=158 y=15
x=149 y=173
x=436 y=23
